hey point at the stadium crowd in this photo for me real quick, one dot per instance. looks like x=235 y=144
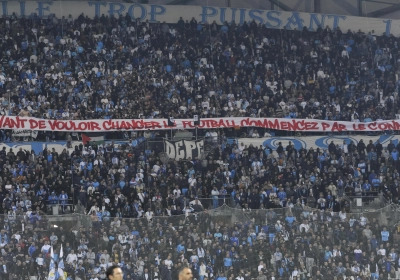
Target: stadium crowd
x=152 y=216
x=120 y=68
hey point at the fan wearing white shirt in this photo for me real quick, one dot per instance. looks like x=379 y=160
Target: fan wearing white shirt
x=156 y=167
x=241 y=148
x=168 y=211
x=65 y=114
x=187 y=210
x=240 y=277
x=94 y=208
x=295 y=272
x=177 y=191
x=123 y=239
x=304 y=226
x=149 y=214
x=103 y=264
x=363 y=220
x=82 y=165
x=205 y=104
x=40 y=260
x=140 y=212
x=261 y=266
x=320 y=74
x=97 y=161
x=313 y=54
x=17 y=236
x=192 y=181
x=3 y=243
x=168 y=262
x=71 y=257
x=355 y=268
x=256 y=165
x=381 y=251
x=121 y=171
x=45 y=248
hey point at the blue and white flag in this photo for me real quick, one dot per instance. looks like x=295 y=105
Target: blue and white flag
x=51 y=266
x=59 y=273
x=61 y=260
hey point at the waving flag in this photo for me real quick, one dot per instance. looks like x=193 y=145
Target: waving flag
x=51 y=266
x=56 y=274
x=61 y=252
x=92 y=138
x=61 y=262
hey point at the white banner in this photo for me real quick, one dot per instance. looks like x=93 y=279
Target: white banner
x=184 y=149
x=171 y=14
x=23 y=123
x=321 y=142
x=59 y=146
x=24 y=133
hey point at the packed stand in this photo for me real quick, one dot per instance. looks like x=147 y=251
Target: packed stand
x=153 y=216
x=107 y=67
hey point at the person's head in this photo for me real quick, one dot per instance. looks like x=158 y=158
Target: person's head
x=114 y=272
x=185 y=274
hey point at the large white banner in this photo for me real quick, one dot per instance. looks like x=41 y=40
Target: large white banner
x=321 y=142
x=171 y=14
x=26 y=123
x=192 y=149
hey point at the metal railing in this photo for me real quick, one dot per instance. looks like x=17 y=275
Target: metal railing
x=367 y=201
x=387 y=215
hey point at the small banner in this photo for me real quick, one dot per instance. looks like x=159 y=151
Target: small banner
x=184 y=149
